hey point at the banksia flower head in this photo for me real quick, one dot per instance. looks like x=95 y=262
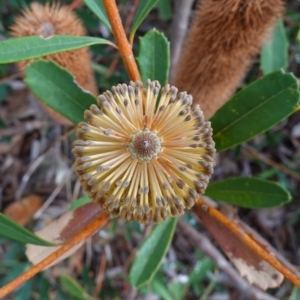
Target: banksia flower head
x=224 y=37
x=54 y=19
x=142 y=160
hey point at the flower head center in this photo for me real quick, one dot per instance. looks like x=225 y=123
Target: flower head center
x=144 y=145
x=46 y=30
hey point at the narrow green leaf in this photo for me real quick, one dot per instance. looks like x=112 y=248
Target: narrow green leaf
x=15 y=232
x=154 y=57
x=298 y=35
x=97 y=7
x=141 y=13
x=74 y=289
x=295 y=295
x=151 y=253
x=165 y=9
x=80 y=202
x=248 y=192
x=274 y=55
x=201 y=268
x=56 y=87
x=255 y=109
x=161 y=288
x=16 y=49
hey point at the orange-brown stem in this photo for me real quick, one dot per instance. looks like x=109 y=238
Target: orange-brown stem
x=253 y=245
x=121 y=40
x=84 y=234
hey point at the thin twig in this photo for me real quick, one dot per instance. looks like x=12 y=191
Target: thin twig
x=130 y=19
x=76 y=191
x=84 y=234
x=10 y=78
x=25 y=178
x=60 y=139
x=53 y=195
x=130 y=15
x=24 y=127
x=205 y=245
x=121 y=40
x=250 y=151
x=100 y=276
x=113 y=65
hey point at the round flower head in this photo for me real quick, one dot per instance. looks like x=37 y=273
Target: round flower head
x=144 y=153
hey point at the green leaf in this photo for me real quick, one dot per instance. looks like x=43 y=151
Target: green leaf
x=201 y=268
x=80 y=202
x=298 y=35
x=154 y=57
x=274 y=55
x=151 y=253
x=97 y=7
x=161 y=288
x=295 y=295
x=248 y=192
x=74 y=289
x=55 y=86
x=16 y=49
x=165 y=9
x=17 y=233
x=141 y=13
x=255 y=109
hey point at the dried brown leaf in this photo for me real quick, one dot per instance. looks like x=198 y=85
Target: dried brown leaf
x=250 y=265
x=22 y=211
x=61 y=230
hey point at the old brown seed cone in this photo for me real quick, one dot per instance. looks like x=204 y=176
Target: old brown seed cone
x=224 y=37
x=51 y=20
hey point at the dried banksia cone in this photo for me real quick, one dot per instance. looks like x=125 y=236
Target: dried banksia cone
x=224 y=37
x=143 y=156
x=50 y=20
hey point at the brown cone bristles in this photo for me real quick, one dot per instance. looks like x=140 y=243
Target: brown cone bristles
x=54 y=19
x=224 y=37
x=141 y=162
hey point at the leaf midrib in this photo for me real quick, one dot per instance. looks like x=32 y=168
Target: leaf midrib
x=252 y=110
x=59 y=89
x=274 y=195
x=88 y=41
